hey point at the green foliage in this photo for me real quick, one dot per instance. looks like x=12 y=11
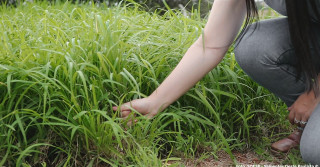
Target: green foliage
x=64 y=66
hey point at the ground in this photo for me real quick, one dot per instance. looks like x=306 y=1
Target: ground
x=247 y=157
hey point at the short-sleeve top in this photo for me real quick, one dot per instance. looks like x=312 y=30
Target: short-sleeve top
x=280 y=7
x=277 y=5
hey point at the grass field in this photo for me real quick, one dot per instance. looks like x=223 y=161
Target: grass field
x=63 y=67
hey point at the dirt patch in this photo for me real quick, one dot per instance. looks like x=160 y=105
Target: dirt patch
x=248 y=158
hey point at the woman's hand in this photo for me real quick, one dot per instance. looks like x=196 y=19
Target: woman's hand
x=224 y=23
x=302 y=108
x=145 y=106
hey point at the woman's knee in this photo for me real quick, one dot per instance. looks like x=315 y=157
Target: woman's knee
x=243 y=49
x=244 y=55
x=310 y=151
x=251 y=55
x=310 y=140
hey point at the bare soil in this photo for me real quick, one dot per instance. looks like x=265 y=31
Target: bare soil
x=248 y=158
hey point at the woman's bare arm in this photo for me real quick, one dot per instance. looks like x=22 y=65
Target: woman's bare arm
x=223 y=25
x=221 y=29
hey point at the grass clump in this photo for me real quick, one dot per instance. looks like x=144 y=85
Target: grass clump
x=64 y=66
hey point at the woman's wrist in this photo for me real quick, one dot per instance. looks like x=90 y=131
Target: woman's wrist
x=157 y=103
x=309 y=97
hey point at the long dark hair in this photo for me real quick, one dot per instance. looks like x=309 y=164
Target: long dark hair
x=302 y=37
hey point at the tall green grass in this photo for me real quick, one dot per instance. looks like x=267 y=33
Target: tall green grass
x=63 y=67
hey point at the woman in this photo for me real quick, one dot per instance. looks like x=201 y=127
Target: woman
x=280 y=54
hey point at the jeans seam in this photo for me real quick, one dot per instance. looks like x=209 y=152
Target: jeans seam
x=280 y=65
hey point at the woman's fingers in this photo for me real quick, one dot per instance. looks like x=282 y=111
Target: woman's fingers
x=123 y=107
x=303 y=122
x=130 y=122
x=138 y=107
x=130 y=119
x=297 y=119
x=126 y=107
x=300 y=119
x=291 y=116
x=294 y=117
x=304 y=119
x=149 y=116
x=125 y=114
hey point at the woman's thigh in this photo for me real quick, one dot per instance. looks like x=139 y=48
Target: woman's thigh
x=266 y=54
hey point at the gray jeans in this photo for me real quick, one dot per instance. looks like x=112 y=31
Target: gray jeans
x=267 y=56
